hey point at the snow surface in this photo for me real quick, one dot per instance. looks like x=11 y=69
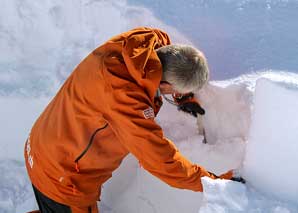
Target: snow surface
x=237 y=36
x=270 y=160
x=42 y=41
x=223 y=196
x=132 y=189
x=274 y=125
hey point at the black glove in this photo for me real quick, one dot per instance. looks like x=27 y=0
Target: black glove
x=187 y=103
x=237 y=176
x=233 y=175
x=192 y=108
x=238 y=179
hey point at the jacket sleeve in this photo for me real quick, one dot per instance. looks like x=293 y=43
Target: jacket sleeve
x=144 y=139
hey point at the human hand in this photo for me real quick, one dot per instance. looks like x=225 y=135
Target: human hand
x=192 y=108
x=233 y=175
x=239 y=179
x=187 y=103
x=237 y=176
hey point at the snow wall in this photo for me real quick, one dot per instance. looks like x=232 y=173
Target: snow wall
x=42 y=41
x=271 y=158
x=230 y=105
x=270 y=164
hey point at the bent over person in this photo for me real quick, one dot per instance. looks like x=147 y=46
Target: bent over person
x=104 y=111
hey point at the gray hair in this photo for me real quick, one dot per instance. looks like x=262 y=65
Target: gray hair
x=184 y=67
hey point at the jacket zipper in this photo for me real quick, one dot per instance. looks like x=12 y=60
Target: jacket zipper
x=87 y=147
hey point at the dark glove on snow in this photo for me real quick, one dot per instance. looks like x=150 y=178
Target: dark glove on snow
x=187 y=103
x=237 y=176
x=192 y=108
x=230 y=175
x=238 y=179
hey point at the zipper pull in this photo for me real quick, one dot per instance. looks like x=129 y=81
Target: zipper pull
x=77 y=167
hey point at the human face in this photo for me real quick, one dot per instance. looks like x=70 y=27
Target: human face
x=166 y=88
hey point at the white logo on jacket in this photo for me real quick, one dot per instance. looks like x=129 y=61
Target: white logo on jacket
x=28 y=149
x=148 y=113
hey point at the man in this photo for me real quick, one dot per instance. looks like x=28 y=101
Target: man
x=104 y=111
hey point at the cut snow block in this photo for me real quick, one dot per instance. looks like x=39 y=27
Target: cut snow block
x=271 y=161
x=223 y=196
x=227 y=111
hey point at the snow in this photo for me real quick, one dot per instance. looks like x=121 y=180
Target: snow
x=250 y=120
x=221 y=102
x=141 y=192
x=146 y=194
x=237 y=36
x=269 y=161
x=43 y=41
x=223 y=196
x=272 y=149
x=15 y=131
x=16 y=193
x=132 y=189
x=15 y=187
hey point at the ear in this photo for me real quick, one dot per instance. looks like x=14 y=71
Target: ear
x=166 y=88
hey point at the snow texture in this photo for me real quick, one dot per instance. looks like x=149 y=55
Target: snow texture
x=221 y=102
x=15 y=131
x=222 y=196
x=271 y=156
x=237 y=36
x=42 y=41
x=269 y=165
x=146 y=194
x=132 y=189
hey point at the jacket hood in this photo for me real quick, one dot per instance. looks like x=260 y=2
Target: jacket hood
x=136 y=49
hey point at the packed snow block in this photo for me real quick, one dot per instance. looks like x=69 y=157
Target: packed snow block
x=223 y=196
x=270 y=163
x=227 y=106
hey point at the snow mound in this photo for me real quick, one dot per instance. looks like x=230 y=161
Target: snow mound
x=224 y=196
x=271 y=157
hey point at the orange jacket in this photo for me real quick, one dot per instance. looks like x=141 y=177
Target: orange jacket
x=104 y=111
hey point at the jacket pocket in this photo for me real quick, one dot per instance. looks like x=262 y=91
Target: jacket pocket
x=87 y=147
